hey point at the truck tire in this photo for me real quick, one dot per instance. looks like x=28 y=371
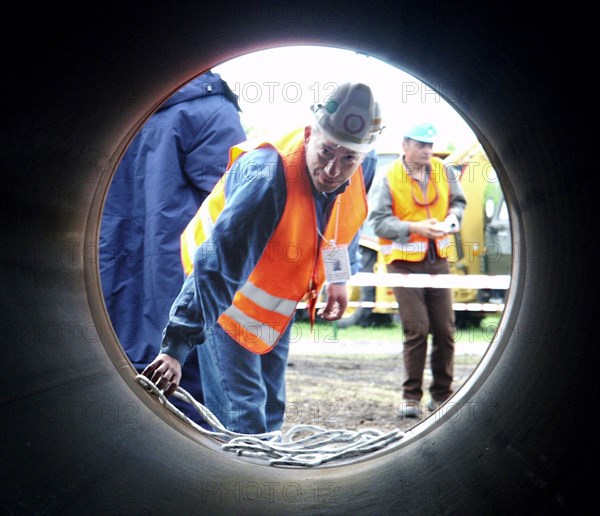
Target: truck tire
x=79 y=434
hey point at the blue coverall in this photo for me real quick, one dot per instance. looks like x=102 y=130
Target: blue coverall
x=167 y=171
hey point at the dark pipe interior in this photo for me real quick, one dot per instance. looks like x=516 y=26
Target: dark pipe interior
x=78 y=433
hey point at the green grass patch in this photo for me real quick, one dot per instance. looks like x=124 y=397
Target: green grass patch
x=323 y=330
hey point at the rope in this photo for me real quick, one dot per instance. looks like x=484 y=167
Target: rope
x=301 y=445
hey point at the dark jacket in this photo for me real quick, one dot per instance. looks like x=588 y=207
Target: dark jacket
x=165 y=174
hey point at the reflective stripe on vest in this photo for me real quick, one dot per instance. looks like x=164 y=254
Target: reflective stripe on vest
x=247 y=330
x=413 y=247
x=285 y=307
x=402 y=188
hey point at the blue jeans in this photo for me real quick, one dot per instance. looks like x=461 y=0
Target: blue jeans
x=244 y=390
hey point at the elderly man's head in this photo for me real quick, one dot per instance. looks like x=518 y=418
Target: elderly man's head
x=417 y=144
x=346 y=128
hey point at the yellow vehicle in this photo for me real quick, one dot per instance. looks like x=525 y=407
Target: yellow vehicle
x=483 y=246
x=484 y=240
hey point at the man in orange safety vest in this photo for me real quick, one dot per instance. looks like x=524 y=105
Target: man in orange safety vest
x=281 y=225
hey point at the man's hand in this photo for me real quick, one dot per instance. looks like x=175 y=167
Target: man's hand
x=429 y=228
x=165 y=372
x=337 y=300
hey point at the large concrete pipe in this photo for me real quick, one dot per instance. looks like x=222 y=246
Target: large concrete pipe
x=79 y=435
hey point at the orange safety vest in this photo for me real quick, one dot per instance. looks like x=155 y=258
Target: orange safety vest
x=410 y=204
x=291 y=267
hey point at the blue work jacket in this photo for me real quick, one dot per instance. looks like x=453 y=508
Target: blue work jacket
x=167 y=171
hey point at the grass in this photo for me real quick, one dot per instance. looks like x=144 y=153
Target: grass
x=328 y=330
x=334 y=387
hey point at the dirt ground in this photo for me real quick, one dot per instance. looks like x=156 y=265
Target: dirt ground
x=354 y=392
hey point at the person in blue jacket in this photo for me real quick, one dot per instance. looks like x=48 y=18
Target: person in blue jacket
x=168 y=170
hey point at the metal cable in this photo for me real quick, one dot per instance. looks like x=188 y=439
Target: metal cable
x=301 y=445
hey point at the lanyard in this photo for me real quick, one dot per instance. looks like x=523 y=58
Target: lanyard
x=333 y=242
x=424 y=193
x=313 y=294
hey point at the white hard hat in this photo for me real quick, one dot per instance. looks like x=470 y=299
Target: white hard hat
x=350 y=117
x=425 y=133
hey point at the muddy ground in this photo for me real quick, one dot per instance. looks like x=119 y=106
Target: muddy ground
x=354 y=392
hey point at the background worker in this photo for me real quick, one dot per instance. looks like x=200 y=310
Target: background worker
x=168 y=170
x=267 y=237
x=414 y=207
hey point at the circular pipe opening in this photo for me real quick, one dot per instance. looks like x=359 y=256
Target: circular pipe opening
x=517 y=455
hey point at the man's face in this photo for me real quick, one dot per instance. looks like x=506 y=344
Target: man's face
x=416 y=152
x=329 y=164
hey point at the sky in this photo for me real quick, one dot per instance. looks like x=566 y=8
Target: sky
x=276 y=88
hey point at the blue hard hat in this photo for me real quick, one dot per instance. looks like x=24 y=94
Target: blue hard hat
x=425 y=133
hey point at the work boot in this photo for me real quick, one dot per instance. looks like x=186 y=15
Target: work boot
x=410 y=408
x=433 y=405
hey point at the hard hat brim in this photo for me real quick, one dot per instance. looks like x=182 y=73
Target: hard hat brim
x=363 y=148
x=422 y=140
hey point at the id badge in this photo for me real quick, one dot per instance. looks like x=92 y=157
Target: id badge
x=337 y=263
